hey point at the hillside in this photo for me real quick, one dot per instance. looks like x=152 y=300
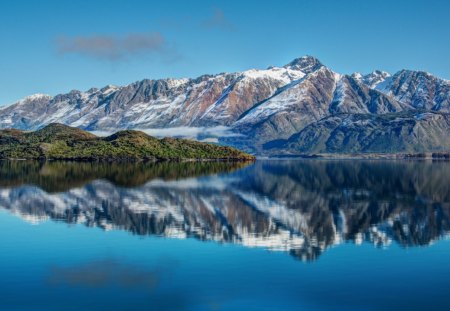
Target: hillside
x=366 y=133
x=61 y=142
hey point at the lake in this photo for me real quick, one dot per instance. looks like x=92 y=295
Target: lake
x=271 y=235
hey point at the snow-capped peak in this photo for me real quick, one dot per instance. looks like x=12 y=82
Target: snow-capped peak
x=173 y=83
x=357 y=76
x=28 y=99
x=109 y=89
x=375 y=77
x=286 y=75
x=306 y=64
x=31 y=98
x=36 y=97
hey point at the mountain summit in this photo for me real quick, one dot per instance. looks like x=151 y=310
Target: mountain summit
x=306 y=64
x=264 y=111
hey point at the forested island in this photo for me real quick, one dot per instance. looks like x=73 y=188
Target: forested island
x=60 y=142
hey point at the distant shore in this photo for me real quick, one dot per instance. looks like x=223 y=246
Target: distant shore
x=374 y=156
x=132 y=160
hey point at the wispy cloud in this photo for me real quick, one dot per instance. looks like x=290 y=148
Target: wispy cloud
x=218 y=20
x=209 y=134
x=199 y=133
x=108 y=47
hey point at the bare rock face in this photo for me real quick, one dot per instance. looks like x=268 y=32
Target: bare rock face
x=418 y=89
x=255 y=106
x=353 y=96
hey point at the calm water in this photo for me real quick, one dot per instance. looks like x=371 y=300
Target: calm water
x=274 y=235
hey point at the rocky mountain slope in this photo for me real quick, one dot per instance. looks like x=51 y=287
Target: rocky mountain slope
x=246 y=109
x=410 y=132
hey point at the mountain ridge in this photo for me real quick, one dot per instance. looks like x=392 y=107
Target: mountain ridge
x=259 y=106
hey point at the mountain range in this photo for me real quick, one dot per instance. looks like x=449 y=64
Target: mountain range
x=299 y=108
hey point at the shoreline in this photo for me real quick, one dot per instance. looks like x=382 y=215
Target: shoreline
x=132 y=160
x=434 y=156
x=391 y=157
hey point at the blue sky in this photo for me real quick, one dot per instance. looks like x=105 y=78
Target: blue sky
x=55 y=46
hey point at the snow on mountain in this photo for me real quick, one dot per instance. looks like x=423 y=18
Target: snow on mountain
x=374 y=78
x=207 y=100
x=353 y=95
x=262 y=105
x=418 y=89
x=291 y=108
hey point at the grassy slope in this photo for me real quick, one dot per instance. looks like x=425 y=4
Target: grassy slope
x=57 y=141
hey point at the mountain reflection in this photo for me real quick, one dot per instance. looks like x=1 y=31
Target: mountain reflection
x=301 y=207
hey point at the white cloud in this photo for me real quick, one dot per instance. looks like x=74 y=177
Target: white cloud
x=207 y=134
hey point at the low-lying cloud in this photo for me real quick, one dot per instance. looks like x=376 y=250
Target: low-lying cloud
x=192 y=132
x=207 y=134
x=114 y=47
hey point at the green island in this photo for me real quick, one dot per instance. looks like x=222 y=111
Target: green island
x=60 y=142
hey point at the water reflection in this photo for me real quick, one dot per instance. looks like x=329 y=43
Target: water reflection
x=301 y=207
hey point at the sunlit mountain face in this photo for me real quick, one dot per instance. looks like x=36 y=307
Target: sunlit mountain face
x=303 y=107
x=301 y=207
